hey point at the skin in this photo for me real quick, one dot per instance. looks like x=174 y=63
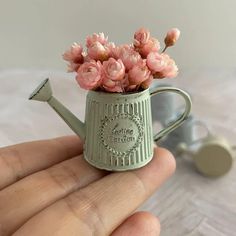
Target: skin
x=46 y=187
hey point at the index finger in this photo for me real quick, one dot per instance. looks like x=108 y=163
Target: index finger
x=20 y=160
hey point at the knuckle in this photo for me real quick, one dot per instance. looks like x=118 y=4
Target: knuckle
x=86 y=209
x=63 y=176
x=12 y=160
x=140 y=185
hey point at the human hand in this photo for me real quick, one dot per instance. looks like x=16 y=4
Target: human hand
x=47 y=189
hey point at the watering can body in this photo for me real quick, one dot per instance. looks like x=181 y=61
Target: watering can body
x=118 y=130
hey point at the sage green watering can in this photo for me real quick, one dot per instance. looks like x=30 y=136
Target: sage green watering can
x=117 y=131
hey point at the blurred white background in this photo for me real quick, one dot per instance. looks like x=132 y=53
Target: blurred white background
x=34 y=33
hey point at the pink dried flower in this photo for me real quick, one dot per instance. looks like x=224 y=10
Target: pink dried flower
x=74 y=54
x=126 y=84
x=112 y=86
x=97 y=51
x=113 y=75
x=121 y=68
x=171 y=37
x=139 y=74
x=116 y=51
x=113 y=69
x=131 y=88
x=111 y=48
x=87 y=58
x=156 y=62
x=146 y=84
x=96 y=38
x=117 y=88
x=152 y=45
x=129 y=57
x=141 y=37
x=89 y=75
x=169 y=71
x=73 y=67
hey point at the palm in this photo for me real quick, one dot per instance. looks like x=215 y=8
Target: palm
x=48 y=189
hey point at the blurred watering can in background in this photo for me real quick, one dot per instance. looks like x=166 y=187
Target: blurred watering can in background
x=212 y=155
x=186 y=133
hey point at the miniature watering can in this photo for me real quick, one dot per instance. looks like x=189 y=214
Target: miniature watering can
x=117 y=132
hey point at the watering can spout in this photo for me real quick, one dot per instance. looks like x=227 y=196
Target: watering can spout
x=43 y=93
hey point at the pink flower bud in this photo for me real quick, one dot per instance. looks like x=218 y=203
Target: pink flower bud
x=171 y=37
x=89 y=75
x=96 y=38
x=97 y=51
x=74 y=54
x=138 y=74
x=141 y=37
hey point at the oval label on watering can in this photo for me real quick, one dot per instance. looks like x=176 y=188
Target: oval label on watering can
x=122 y=134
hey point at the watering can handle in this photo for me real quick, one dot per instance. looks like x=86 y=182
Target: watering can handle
x=173 y=125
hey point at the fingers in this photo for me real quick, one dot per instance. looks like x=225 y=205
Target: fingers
x=22 y=200
x=102 y=206
x=139 y=224
x=20 y=160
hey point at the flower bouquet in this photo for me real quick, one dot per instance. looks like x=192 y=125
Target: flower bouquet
x=107 y=67
x=117 y=131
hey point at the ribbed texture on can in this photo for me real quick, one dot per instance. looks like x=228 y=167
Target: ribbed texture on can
x=96 y=111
